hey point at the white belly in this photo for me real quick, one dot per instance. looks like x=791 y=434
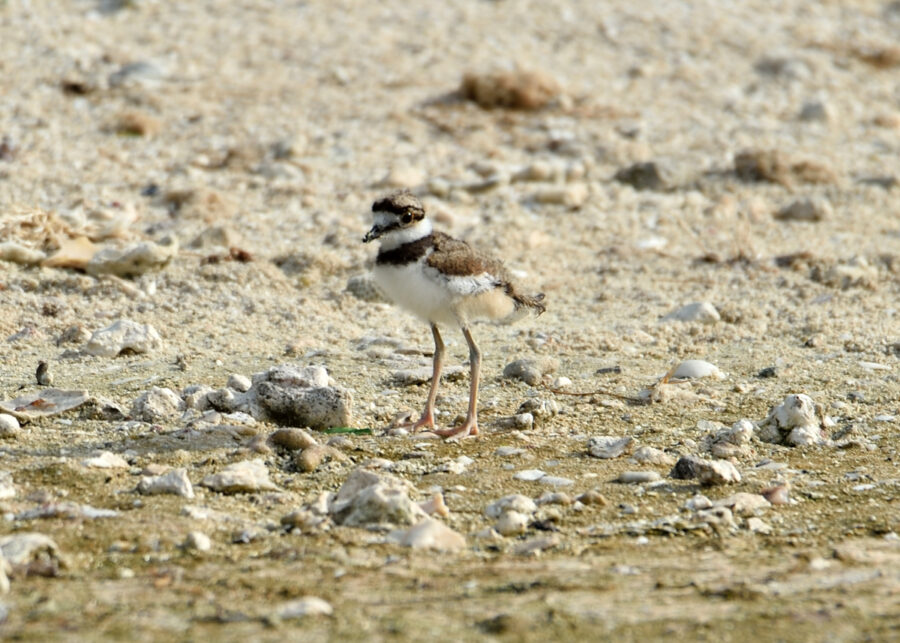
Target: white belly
x=409 y=287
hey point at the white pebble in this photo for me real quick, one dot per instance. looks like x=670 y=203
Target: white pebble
x=701 y=312
x=696 y=368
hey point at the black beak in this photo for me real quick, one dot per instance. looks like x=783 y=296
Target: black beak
x=373 y=234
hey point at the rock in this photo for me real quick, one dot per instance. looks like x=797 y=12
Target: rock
x=223 y=399
x=758 y=526
x=795 y=422
x=367 y=497
x=515 y=502
x=554 y=498
x=775 y=167
x=43 y=375
x=592 y=498
x=247 y=476
x=685 y=468
x=716 y=472
x=431 y=534
x=807 y=209
x=529 y=370
x=732 y=442
x=505 y=452
x=608 y=447
x=744 y=504
x=49 y=401
x=106 y=460
x=311 y=457
x=9 y=426
x=7 y=488
x=701 y=312
x=530 y=475
x=642 y=176
x=696 y=368
x=517 y=422
x=31 y=554
x=133 y=260
x=570 y=195
x=652 y=455
x=511 y=523
x=777 y=494
x=317 y=408
x=174 y=482
x=98 y=408
x=303 y=607
x=556 y=481
x=123 y=335
x=698 y=503
x=216 y=238
x=239 y=383
x=292 y=439
x=157 y=405
x=638 y=477
x=815 y=110
x=17 y=253
x=516 y=89
x=198 y=541
x=74 y=334
x=538 y=408
x=67 y=510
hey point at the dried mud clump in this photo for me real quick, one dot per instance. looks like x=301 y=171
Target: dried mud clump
x=519 y=89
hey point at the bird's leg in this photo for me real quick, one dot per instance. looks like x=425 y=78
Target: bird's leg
x=427 y=418
x=470 y=426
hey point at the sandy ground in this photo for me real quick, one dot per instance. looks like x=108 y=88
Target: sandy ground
x=270 y=127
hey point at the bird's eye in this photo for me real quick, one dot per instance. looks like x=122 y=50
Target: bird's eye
x=407 y=217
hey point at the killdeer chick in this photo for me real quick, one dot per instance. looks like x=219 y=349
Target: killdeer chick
x=443 y=281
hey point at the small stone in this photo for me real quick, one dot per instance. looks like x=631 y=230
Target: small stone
x=511 y=523
x=74 y=334
x=106 y=460
x=31 y=553
x=716 y=472
x=638 y=477
x=303 y=607
x=239 y=383
x=432 y=534
x=157 y=405
x=217 y=237
x=123 y=335
x=538 y=408
x=593 y=498
x=174 y=482
x=696 y=368
x=198 y=541
x=317 y=408
x=777 y=494
x=642 y=176
x=514 y=502
x=311 y=457
x=367 y=497
x=652 y=455
x=698 y=503
x=608 y=447
x=815 y=110
x=570 y=195
x=292 y=439
x=758 y=526
x=247 y=476
x=528 y=370
x=133 y=260
x=403 y=176
x=534 y=546
x=806 y=209
x=423 y=375
x=795 y=422
x=42 y=374
x=530 y=475
x=556 y=481
x=701 y=312
x=554 y=498
x=9 y=426
x=517 y=422
x=516 y=89
x=744 y=504
x=17 y=253
x=505 y=452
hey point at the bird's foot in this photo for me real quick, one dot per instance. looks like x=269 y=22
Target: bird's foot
x=404 y=421
x=466 y=430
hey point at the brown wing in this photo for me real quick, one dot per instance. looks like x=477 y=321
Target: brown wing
x=457 y=258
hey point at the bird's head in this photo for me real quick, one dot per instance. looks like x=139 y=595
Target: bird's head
x=399 y=217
